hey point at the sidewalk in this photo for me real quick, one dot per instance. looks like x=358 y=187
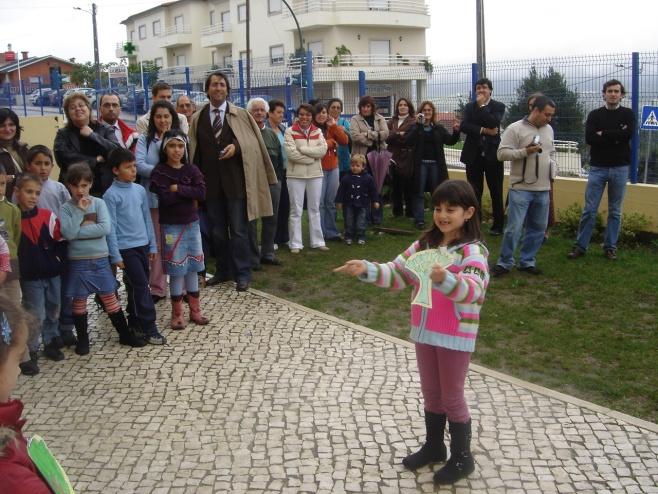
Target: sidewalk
x=273 y=397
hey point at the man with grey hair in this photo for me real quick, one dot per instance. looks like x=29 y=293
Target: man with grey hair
x=258 y=108
x=185 y=106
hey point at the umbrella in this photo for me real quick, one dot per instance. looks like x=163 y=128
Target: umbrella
x=379 y=162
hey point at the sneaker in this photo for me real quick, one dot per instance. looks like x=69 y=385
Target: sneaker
x=610 y=254
x=576 y=252
x=52 y=351
x=294 y=251
x=530 y=270
x=323 y=248
x=348 y=241
x=497 y=270
x=69 y=339
x=156 y=339
x=361 y=242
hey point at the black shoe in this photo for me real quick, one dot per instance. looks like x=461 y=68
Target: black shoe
x=126 y=335
x=461 y=463
x=217 y=279
x=434 y=449
x=156 y=298
x=31 y=367
x=420 y=225
x=338 y=238
x=272 y=262
x=52 y=351
x=242 y=285
x=256 y=267
x=576 y=252
x=497 y=270
x=610 y=254
x=496 y=232
x=530 y=270
x=69 y=339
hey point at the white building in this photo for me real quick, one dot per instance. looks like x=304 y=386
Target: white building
x=383 y=38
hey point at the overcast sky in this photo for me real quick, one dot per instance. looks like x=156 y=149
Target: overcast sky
x=514 y=28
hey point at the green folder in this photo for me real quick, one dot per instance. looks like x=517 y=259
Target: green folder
x=48 y=466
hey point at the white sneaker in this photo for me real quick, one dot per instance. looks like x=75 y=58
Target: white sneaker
x=294 y=251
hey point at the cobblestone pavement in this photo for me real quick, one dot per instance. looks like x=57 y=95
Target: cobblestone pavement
x=271 y=397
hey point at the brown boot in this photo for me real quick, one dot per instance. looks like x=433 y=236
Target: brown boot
x=195 y=310
x=177 y=317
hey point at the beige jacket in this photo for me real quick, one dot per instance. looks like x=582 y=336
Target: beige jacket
x=259 y=173
x=364 y=136
x=304 y=153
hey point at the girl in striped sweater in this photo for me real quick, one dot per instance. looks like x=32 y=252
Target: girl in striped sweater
x=445 y=333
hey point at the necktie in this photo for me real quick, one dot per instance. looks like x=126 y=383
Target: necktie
x=119 y=135
x=217 y=123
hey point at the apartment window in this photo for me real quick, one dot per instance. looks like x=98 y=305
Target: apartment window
x=213 y=18
x=226 y=20
x=179 y=22
x=180 y=60
x=243 y=57
x=273 y=7
x=142 y=31
x=157 y=28
x=228 y=61
x=276 y=55
x=316 y=48
x=158 y=62
x=242 y=12
x=380 y=51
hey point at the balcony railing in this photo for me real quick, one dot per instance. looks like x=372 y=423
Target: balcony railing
x=312 y=6
x=216 y=28
x=175 y=29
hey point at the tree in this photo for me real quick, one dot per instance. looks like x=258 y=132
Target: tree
x=84 y=74
x=150 y=70
x=570 y=113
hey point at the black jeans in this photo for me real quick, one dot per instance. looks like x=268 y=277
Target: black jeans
x=494 y=172
x=402 y=194
x=140 y=308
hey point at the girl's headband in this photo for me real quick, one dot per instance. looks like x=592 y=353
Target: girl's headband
x=181 y=138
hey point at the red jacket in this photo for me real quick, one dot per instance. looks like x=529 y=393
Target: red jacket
x=335 y=136
x=18 y=474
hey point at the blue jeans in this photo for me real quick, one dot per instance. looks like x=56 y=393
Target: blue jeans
x=355 y=222
x=529 y=209
x=328 y=204
x=428 y=175
x=42 y=298
x=616 y=178
x=230 y=231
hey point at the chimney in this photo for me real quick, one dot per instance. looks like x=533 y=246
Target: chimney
x=24 y=54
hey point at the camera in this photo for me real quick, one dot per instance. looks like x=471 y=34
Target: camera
x=536 y=141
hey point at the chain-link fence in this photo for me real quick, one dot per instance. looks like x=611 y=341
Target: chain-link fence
x=574 y=83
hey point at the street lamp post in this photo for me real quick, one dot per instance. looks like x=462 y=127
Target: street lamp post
x=97 y=63
x=481 y=46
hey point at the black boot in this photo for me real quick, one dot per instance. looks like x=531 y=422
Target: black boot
x=80 y=323
x=461 y=462
x=434 y=449
x=126 y=336
x=30 y=367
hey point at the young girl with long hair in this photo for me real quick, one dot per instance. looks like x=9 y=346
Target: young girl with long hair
x=444 y=333
x=179 y=186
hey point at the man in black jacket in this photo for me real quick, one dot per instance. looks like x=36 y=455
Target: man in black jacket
x=481 y=124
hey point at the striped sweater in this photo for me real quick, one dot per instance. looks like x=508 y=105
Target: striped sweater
x=453 y=320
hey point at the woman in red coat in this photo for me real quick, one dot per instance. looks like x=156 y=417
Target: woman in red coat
x=335 y=136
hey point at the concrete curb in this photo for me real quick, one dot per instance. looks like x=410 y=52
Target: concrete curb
x=637 y=422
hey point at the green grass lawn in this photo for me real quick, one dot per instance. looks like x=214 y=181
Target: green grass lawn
x=586 y=327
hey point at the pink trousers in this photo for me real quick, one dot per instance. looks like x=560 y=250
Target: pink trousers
x=442 y=377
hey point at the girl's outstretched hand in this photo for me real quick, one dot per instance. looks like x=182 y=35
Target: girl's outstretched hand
x=353 y=268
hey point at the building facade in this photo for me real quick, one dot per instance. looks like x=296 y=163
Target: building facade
x=384 y=38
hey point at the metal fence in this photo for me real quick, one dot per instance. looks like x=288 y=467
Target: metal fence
x=573 y=82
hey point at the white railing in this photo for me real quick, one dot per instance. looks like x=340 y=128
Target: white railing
x=175 y=29
x=216 y=28
x=368 y=60
x=405 y=6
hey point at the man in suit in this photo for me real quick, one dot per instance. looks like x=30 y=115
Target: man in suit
x=227 y=145
x=481 y=124
x=110 y=106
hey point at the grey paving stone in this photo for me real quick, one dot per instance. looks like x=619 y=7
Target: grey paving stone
x=273 y=398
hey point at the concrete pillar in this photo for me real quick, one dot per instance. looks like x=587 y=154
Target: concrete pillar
x=338 y=91
x=421 y=91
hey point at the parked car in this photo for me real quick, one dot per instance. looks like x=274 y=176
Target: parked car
x=37 y=95
x=134 y=99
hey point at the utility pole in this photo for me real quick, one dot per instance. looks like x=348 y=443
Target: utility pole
x=481 y=48
x=96 y=57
